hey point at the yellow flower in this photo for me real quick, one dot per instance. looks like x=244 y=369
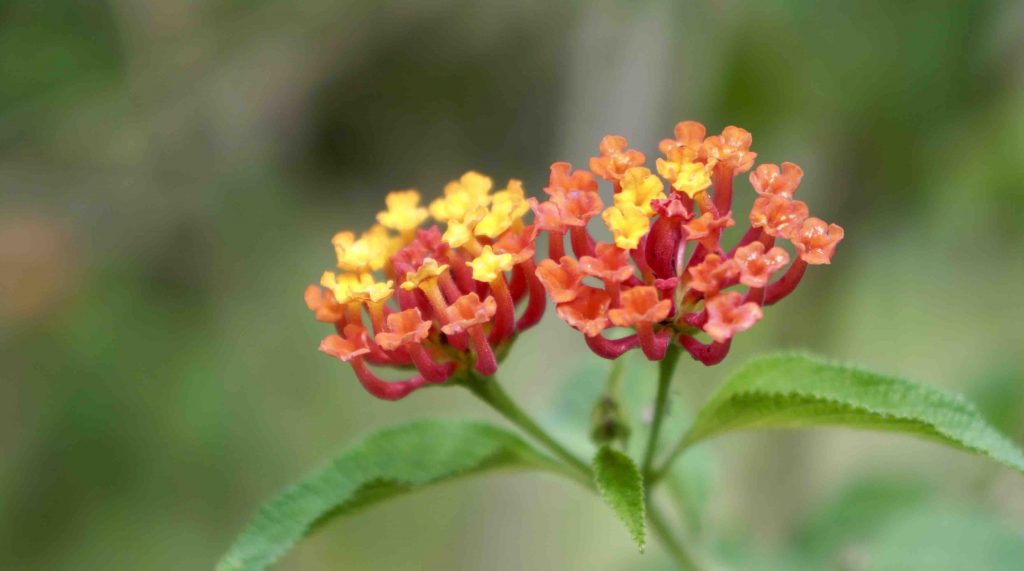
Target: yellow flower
x=457 y=234
x=373 y=291
x=462 y=197
x=369 y=253
x=507 y=207
x=639 y=188
x=628 y=224
x=429 y=269
x=404 y=212
x=685 y=173
x=488 y=265
x=344 y=285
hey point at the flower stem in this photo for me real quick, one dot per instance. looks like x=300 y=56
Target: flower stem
x=489 y=390
x=666 y=370
x=672 y=545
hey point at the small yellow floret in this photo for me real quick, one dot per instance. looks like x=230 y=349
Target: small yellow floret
x=628 y=224
x=639 y=188
x=457 y=234
x=373 y=291
x=429 y=269
x=344 y=285
x=370 y=252
x=462 y=197
x=508 y=207
x=488 y=265
x=404 y=212
x=685 y=175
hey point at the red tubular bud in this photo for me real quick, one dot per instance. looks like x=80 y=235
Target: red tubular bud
x=709 y=355
x=505 y=318
x=611 y=348
x=556 y=245
x=538 y=300
x=430 y=370
x=723 y=176
x=486 y=362
x=662 y=246
x=696 y=319
x=382 y=389
x=582 y=242
x=518 y=285
x=653 y=344
x=785 y=285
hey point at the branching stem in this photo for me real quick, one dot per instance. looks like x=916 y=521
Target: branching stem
x=489 y=391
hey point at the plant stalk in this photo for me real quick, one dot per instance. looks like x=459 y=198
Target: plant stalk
x=489 y=391
x=666 y=369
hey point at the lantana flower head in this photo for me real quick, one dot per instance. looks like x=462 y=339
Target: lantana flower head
x=436 y=300
x=668 y=275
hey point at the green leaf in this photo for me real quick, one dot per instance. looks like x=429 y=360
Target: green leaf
x=796 y=391
x=622 y=488
x=388 y=463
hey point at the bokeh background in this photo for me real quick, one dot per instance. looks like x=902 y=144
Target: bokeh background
x=171 y=172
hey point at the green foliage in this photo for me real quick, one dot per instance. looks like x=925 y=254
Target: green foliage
x=386 y=464
x=622 y=488
x=796 y=391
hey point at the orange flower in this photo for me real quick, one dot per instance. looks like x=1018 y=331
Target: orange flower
x=404 y=327
x=615 y=159
x=816 y=240
x=777 y=215
x=468 y=311
x=520 y=244
x=562 y=279
x=577 y=207
x=587 y=312
x=663 y=254
x=468 y=314
x=563 y=179
x=546 y=216
x=323 y=304
x=707 y=228
x=486 y=237
x=757 y=266
x=610 y=263
x=689 y=134
x=713 y=274
x=352 y=346
x=768 y=179
x=731 y=148
x=641 y=305
x=728 y=315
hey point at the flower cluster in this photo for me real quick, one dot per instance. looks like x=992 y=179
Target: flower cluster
x=411 y=296
x=666 y=275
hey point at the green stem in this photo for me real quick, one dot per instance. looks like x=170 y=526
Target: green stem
x=489 y=390
x=666 y=369
x=674 y=547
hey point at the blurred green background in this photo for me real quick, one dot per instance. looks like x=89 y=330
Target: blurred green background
x=171 y=172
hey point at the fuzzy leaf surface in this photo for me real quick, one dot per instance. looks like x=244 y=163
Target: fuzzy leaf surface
x=792 y=391
x=622 y=488
x=386 y=464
